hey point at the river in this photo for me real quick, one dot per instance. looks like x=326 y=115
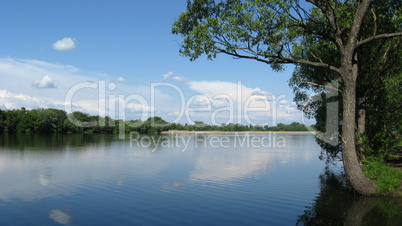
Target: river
x=178 y=179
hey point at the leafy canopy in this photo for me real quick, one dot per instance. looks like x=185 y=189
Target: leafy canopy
x=272 y=31
x=256 y=29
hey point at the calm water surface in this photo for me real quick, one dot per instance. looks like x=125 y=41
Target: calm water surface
x=186 y=179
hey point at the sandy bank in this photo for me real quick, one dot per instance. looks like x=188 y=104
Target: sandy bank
x=223 y=132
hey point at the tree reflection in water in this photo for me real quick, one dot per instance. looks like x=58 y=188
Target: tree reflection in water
x=337 y=204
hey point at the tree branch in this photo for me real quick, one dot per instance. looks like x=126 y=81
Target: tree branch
x=312 y=31
x=318 y=85
x=317 y=64
x=375 y=37
x=375 y=22
x=357 y=23
x=329 y=12
x=278 y=59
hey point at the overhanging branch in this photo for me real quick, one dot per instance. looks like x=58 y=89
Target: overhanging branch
x=278 y=59
x=375 y=37
x=318 y=85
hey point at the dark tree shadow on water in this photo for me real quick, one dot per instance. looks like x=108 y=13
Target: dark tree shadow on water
x=337 y=204
x=53 y=142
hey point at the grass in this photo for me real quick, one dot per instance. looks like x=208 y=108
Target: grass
x=387 y=178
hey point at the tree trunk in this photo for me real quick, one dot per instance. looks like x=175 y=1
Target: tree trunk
x=349 y=71
x=361 y=129
x=361 y=116
x=359 y=181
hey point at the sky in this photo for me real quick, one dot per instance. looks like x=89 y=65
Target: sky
x=120 y=59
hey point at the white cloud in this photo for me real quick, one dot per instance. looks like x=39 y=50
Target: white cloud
x=28 y=68
x=24 y=75
x=11 y=100
x=121 y=80
x=167 y=75
x=214 y=88
x=176 y=78
x=259 y=92
x=241 y=104
x=64 y=44
x=139 y=107
x=179 y=78
x=45 y=82
x=17 y=89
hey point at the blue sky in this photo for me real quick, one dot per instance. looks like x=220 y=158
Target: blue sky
x=125 y=51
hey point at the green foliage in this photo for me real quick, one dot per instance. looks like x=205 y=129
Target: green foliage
x=256 y=28
x=387 y=178
x=57 y=121
x=232 y=127
x=153 y=125
x=294 y=126
x=379 y=79
x=385 y=117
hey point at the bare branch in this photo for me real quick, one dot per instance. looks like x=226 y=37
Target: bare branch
x=375 y=22
x=318 y=85
x=375 y=37
x=316 y=57
x=317 y=64
x=278 y=59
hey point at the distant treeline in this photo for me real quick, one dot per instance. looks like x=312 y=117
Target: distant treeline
x=58 y=121
x=201 y=126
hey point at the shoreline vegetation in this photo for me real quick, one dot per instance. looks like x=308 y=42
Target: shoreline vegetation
x=46 y=121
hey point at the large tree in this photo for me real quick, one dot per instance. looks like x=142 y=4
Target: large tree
x=379 y=76
x=272 y=32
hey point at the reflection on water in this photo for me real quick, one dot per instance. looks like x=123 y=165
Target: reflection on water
x=337 y=204
x=222 y=179
x=61 y=216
